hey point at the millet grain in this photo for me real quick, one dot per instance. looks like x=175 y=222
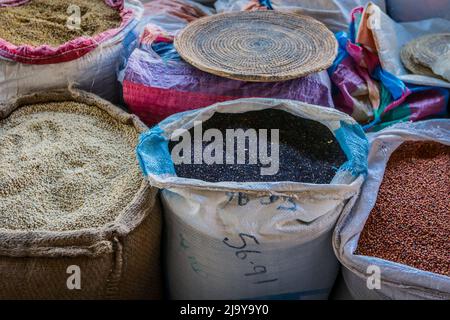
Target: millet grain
x=65 y=166
x=410 y=223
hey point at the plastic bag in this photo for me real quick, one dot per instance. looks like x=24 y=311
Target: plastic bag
x=173 y=15
x=155 y=88
x=369 y=92
x=386 y=38
x=402 y=11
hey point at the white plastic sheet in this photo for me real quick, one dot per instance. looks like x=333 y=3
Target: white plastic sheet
x=335 y=14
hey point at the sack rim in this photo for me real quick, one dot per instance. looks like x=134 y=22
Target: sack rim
x=73 y=49
x=336 y=121
x=354 y=263
x=89 y=241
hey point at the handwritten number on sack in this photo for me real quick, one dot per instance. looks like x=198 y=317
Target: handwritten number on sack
x=244 y=243
x=289 y=203
x=257 y=270
x=242 y=198
x=242 y=254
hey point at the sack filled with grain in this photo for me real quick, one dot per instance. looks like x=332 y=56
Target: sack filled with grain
x=250 y=216
x=51 y=43
x=77 y=219
x=394 y=243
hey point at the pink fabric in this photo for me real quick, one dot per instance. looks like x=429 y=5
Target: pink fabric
x=71 y=50
x=165 y=102
x=425 y=104
x=349 y=82
x=12 y=3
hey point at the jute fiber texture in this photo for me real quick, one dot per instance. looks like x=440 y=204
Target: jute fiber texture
x=118 y=260
x=260 y=46
x=428 y=55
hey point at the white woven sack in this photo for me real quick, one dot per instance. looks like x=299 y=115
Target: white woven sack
x=398 y=281
x=95 y=72
x=231 y=240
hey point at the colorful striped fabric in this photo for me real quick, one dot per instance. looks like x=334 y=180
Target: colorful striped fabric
x=154 y=88
x=372 y=95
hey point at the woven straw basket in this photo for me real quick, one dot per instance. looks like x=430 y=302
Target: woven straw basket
x=119 y=260
x=423 y=55
x=260 y=46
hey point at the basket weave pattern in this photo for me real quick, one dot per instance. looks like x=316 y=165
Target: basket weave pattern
x=258 y=46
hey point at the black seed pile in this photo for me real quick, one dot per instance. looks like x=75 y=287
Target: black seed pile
x=308 y=151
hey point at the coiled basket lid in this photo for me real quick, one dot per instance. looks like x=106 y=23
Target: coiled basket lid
x=259 y=46
x=424 y=54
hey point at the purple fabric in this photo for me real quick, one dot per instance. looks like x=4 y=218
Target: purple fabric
x=426 y=103
x=148 y=70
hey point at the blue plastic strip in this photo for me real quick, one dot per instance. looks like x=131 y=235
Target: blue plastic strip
x=395 y=86
x=342 y=39
x=153 y=153
x=266 y=3
x=166 y=51
x=355 y=145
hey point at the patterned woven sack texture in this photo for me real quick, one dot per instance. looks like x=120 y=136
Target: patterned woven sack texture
x=119 y=260
x=369 y=80
x=89 y=63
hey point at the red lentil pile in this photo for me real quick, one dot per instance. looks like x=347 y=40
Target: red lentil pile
x=410 y=223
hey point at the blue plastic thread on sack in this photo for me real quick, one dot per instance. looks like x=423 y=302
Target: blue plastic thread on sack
x=166 y=51
x=353 y=142
x=266 y=3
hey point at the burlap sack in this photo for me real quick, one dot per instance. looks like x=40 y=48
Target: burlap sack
x=119 y=260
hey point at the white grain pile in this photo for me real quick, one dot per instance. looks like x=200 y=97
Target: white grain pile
x=65 y=166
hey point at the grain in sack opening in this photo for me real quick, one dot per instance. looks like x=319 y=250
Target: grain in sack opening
x=73 y=200
x=49 y=44
x=243 y=238
x=394 y=243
